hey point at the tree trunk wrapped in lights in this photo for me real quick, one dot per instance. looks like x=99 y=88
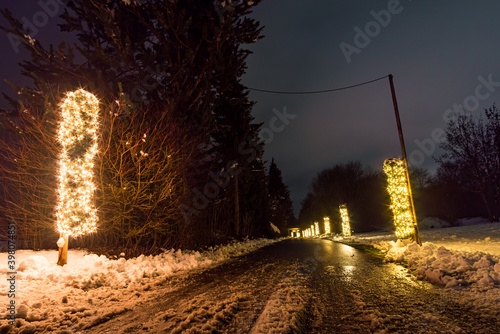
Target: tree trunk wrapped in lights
x=400 y=198
x=316 y=228
x=327 y=225
x=346 y=226
x=76 y=213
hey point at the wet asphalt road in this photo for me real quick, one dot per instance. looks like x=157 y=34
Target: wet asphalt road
x=332 y=287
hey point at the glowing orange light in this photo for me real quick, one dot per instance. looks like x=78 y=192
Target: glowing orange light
x=75 y=213
x=346 y=226
x=327 y=225
x=400 y=198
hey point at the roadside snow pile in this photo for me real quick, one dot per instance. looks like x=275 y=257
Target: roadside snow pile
x=86 y=271
x=473 y=235
x=454 y=257
x=445 y=267
x=90 y=287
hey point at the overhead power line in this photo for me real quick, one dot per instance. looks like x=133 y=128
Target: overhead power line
x=316 y=91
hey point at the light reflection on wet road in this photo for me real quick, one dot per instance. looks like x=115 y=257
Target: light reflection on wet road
x=355 y=292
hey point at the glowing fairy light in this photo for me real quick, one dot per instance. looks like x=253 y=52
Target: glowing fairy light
x=400 y=198
x=327 y=225
x=346 y=226
x=312 y=230
x=316 y=228
x=75 y=212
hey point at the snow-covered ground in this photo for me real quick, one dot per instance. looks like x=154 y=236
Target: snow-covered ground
x=451 y=256
x=92 y=288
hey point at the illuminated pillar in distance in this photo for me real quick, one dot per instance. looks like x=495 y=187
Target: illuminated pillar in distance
x=346 y=226
x=327 y=225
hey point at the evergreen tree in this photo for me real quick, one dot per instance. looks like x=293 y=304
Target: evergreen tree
x=235 y=139
x=180 y=60
x=281 y=205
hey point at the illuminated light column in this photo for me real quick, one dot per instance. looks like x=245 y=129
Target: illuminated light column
x=346 y=226
x=400 y=198
x=327 y=225
x=75 y=212
x=312 y=230
x=316 y=228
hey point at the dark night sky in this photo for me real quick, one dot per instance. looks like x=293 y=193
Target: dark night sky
x=435 y=50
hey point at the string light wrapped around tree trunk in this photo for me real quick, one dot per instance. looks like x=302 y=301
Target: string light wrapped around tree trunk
x=327 y=225
x=76 y=214
x=316 y=228
x=400 y=198
x=346 y=226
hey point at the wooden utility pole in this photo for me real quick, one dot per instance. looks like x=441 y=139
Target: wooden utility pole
x=62 y=258
x=403 y=150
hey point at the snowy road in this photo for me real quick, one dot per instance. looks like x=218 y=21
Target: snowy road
x=304 y=286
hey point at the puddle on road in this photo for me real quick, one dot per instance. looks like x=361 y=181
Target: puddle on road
x=350 y=273
x=401 y=272
x=345 y=273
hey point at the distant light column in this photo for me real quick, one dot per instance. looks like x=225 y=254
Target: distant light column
x=346 y=226
x=327 y=225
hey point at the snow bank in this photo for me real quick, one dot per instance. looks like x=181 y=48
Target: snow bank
x=477 y=235
x=87 y=271
x=442 y=266
x=90 y=287
x=454 y=257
